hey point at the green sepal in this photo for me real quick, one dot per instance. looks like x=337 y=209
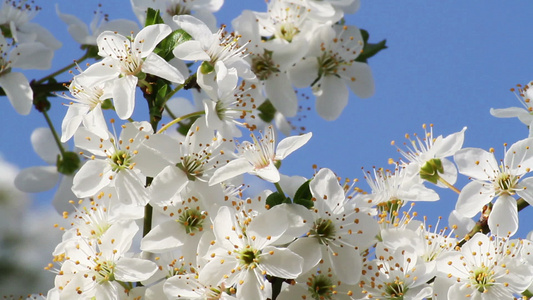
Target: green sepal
x=431 y=169
x=266 y=111
x=69 y=163
x=153 y=16
x=107 y=104
x=206 y=67
x=165 y=47
x=276 y=199
x=369 y=49
x=303 y=195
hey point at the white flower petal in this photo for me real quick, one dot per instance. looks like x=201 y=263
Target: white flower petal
x=291 y=144
x=233 y=168
x=43 y=143
x=167 y=184
x=148 y=38
x=155 y=65
x=473 y=197
x=91 y=178
x=503 y=219
x=124 y=96
x=18 y=91
x=476 y=163
x=134 y=269
x=331 y=98
x=359 y=78
x=280 y=92
x=281 y=262
x=163 y=237
x=37 y=179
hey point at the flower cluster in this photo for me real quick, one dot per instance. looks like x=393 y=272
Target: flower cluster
x=206 y=232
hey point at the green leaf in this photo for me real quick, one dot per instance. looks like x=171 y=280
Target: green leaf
x=370 y=49
x=266 y=111
x=153 y=17
x=165 y=47
x=276 y=199
x=303 y=195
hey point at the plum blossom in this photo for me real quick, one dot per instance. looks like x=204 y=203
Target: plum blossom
x=259 y=158
x=426 y=156
x=243 y=253
x=336 y=233
x=492 y=180
x=125 y=61
x=330 y=66
x=113 y=163
x=485 y=268
x=31 y=55
x=86 y=35
x=43 y=178
x=525 y=113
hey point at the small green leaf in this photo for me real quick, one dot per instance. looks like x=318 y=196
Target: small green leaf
x=266 y=111
x=369 y=49
x=276 y=199
x=303 y=195
x=153 y=17
x=165 y=47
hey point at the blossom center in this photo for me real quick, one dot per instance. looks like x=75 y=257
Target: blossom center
x=249 y=257
x=192 y=220
x=395 y=290
x=482 y=279
x=287 y=31
x=321 y=287
x=324 y=230
x=104 y=271
x=263 y=66
x=328 y=64
x=120 y=160
x=505 y=184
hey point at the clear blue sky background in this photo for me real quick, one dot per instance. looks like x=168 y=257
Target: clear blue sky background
x=448 y=63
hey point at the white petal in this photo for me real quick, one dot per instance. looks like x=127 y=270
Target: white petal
x=167 y=184
x=37 y=179
x=450 y=144
x=269 y=173
x=124 y=96
x=64 y=194
x=134 y=269
x=155 y=65
x=191 y=50
x=148 y=38
x=291 y=144
x=519 y=157
x=304 y=72
x=130 y=188
x=163 y=237
x=233 y=168
x=281 y=262
x=43 y=143
x=72 y=121
x=346 y=263
x=196 y=28
x=359 y=78
x=18 y=91
x=476 y=163
x=332 y=97
x=473 y=197
x=503 y=219
x=326 y=186
x=91 y=178
x=510 y=112
x=267 y=227
x=32 y=56
x=309 y=250
x=280 y=92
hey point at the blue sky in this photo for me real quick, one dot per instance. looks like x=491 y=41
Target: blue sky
x=447 y=64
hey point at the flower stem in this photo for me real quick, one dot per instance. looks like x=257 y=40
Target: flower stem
x=278 y=187
x=177 y=120
x=449 y=185
x=54 y=133
x=62 y=70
